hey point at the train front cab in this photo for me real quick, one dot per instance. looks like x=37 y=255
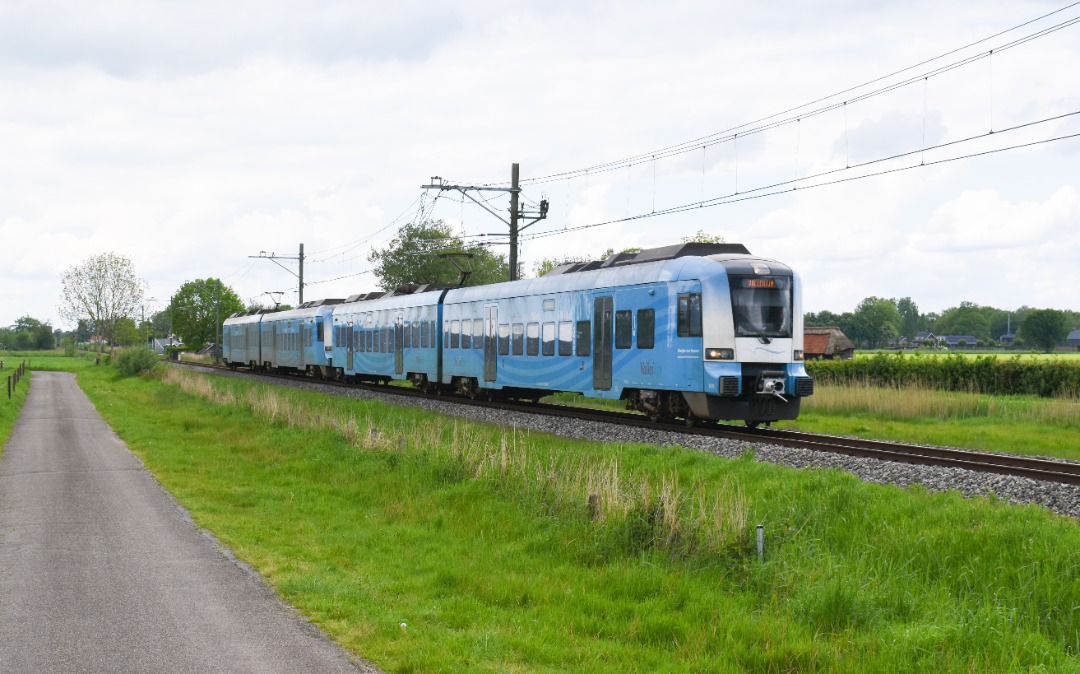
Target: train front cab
x=752 y=340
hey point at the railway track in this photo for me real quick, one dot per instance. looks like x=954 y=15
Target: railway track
x=1046 y=470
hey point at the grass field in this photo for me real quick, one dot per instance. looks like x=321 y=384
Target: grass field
x=500 y=551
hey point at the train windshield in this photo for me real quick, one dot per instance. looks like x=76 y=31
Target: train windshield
x=762 y=306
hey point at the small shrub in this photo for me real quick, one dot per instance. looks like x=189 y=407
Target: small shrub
x=136 y=360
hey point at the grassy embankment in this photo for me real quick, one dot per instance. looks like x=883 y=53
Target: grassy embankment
x=502 y=551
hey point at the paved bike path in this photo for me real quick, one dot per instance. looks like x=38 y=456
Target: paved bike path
x=102 y=571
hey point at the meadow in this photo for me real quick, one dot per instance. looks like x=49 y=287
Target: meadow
x=428 y=543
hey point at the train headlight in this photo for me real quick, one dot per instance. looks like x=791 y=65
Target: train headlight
x=719 y=354
x=798 y=354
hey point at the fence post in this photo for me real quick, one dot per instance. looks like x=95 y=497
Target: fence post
x=9 y=387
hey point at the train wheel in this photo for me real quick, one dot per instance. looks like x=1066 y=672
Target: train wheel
x=752 y=423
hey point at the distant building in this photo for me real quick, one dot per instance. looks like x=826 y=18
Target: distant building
x=960 y=341
x=827 y=343
x=928 y=339
x=1007 y=339
x=1073 y=339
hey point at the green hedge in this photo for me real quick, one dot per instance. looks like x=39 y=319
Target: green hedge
x=982 y=374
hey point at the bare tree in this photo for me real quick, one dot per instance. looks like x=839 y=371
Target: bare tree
x=104 y=289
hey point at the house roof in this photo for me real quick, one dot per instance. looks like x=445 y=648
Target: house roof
x=1075 y=334
x=825 y=340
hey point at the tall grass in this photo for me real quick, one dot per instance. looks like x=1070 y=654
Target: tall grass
x=638 y=512
x=912 y=401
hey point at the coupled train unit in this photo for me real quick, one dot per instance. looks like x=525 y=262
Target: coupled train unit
x=692 y=331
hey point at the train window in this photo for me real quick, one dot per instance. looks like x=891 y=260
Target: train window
x=416 y=334
x=406 y=335
x=519 y=339
x=370 y=340
x=455 y=334
x=690 y=315
x=624 y=329
x=478 y=333
x=761 y=306
x=532 y=343
x=384 y=340
x=646 y=328
x=504 y=339
x=584 y=337
x=566 y=338
x=549 y=339
x=434 y=339
x=466 y=334
x=424 y=342
x=549 y=305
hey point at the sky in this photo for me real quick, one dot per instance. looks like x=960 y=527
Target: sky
x=190 y=136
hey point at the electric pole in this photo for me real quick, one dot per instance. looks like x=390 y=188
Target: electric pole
x=516 y=214
x=300 y=258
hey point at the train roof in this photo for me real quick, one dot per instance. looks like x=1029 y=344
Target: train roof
x=670 y=263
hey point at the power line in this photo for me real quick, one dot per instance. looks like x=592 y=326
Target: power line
x=762 y=192
x=764 y=124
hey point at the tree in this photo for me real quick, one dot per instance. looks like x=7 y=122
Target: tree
x=1046 y=328
x=967 y=319
x=417 y=255
x=876 y=320
x=103 y=289
x=548 y=263
x=701 y=236
x=127 y=332
x=823 y=318
x=196 y=312
x=911 y=323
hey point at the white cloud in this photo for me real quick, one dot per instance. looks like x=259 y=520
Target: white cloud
x=189 y=137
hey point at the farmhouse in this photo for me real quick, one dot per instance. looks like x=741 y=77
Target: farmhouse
x=926 y=339
x=827 y=343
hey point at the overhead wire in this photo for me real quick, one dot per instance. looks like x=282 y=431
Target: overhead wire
x=761 y=192
x=764 y=124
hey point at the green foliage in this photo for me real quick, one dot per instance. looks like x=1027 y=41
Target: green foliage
x=28 y=334
x=430 y=252
x=197 y=314
x=136 y=360
x=701 y=236
x=875 y=322
x=68 y=345
x=1045 y=328
x=983 y=374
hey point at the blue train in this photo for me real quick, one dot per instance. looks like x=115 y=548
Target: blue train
x=692 y=331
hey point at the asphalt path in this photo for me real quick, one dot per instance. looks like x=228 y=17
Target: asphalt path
x=102 y=571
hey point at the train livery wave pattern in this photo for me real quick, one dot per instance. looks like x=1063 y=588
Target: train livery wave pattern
x=693 y=331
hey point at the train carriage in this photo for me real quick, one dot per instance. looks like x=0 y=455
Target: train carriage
x=691 y=331
x=241 y=339
x=297 y=339
x=381 y=337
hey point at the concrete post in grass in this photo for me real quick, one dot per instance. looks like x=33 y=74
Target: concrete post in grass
x=761 y=542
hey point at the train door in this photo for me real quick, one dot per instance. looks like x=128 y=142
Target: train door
x=349 y=351
x=399 y=339
x=301 y=330
x=491 y=355
x=603 y=311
